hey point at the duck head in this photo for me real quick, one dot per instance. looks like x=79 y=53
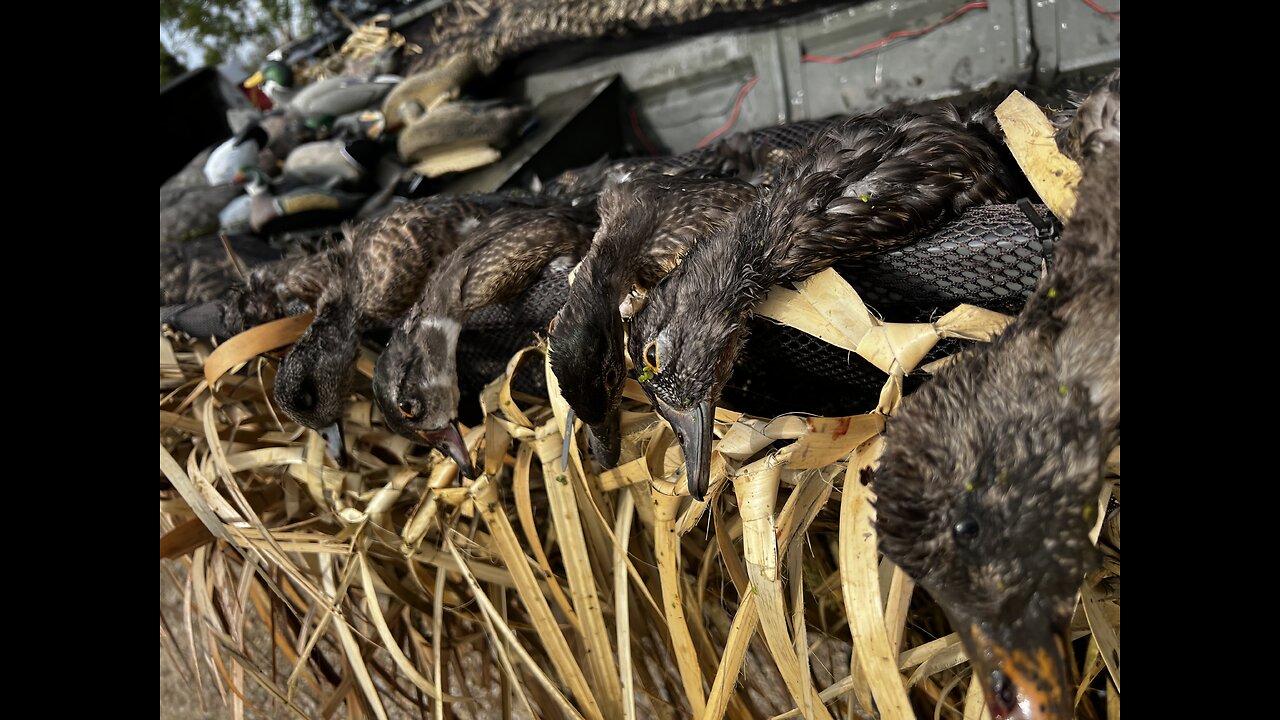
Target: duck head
x=988 y=505
x=275 y=78
x=685 y=340
x=587 y=358
x=314 y=379
x=416 y=386
x=252 y=302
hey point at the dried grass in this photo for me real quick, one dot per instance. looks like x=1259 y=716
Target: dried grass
x=395 y=590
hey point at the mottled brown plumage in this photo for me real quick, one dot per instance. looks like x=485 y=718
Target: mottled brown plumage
x=268 y=290
x=197 y=271
x=416 y=380
x=379 y=270
x=490 y=31
x=989 y=482
x=647 y=224
x=867 y=185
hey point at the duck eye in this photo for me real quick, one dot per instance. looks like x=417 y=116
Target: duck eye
x=965 y=531
x=651 y=356
x=407 y=409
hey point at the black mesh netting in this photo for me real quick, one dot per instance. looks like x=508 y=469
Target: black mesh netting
x=990 y=257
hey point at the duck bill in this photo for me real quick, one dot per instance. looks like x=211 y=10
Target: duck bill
x=255 y=80
x=333 y=441
x=693 y=429
x=1024 y=676
x=606 y=439
x=448 y=440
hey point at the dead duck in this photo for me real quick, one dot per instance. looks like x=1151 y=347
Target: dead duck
x=198 y=271
x=647 y=224
x=473 y=38
x=416 y=380
x=864 y=186
x=988 y=485
x=268 y=290
x=378 y=273
x=330 y=97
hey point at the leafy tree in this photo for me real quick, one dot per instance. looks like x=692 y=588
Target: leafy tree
x=170 y=66
x=225 y=28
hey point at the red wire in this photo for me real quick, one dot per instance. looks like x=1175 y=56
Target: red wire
x=733 y=118
x=1114 y=15
x=896 y=35
x=640 y=133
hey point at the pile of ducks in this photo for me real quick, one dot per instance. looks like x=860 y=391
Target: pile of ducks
x=701 y=249
x=990 y=469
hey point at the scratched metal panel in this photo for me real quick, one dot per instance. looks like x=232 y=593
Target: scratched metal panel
x=687 y=91
x=871 y=55
x=1075 y=35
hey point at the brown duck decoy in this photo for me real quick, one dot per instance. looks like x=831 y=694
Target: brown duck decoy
x=989 y=481
x=647 y=224
x=378 y=272
x=868 y=185
x=416 y=380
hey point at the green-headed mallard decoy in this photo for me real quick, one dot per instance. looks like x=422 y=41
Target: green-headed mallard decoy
x=331 y=97
x=416 y=380
x=275 y=79
x=864 y=186
x=647 y=223
x=988 y=485
x=322 y=107
x=287 y=203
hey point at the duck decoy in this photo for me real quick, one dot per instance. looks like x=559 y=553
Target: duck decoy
x=333 y=96
x=289 y=204
x=988 y=484
x=327 y=161
x=338 y=96
x=275 y=80
x=647 y=224
x=235 y=155
x=381 y=267
x=867 y=185
x=189 y=205
x=461 y=136
x=416 y=380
